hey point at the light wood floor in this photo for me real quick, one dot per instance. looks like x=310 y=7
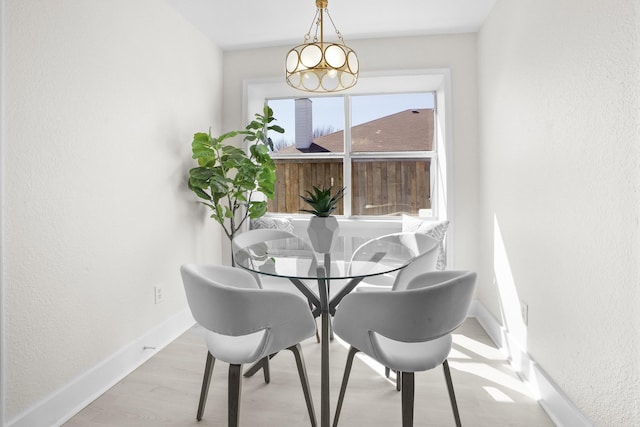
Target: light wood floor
x=165 y=390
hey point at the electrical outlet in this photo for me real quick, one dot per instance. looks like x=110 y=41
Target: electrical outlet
x=159 y=296
x=524 y=312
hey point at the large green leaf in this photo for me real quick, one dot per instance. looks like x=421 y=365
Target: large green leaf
x=219 y=212
x=201 y=173
x=227 y=135
x=202 y=137
x=203 y=153
x=257 y=209
x=200 y=192
x=219 y=184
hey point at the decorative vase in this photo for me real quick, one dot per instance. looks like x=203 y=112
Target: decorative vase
x=323 y=233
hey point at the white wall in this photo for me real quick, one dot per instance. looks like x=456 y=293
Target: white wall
x=559 y=99
x=454 y=52
x=102 y=99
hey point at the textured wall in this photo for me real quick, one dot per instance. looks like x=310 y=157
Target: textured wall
x=559 y=100
x=102 y=99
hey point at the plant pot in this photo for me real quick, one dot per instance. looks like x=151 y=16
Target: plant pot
x=323 y=233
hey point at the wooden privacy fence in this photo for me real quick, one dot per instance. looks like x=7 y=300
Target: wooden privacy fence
x=379 y=186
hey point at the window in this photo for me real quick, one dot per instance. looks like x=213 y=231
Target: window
x=384 y=141
x=383 y=158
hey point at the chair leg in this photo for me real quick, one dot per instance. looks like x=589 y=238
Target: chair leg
x=235 y=386
x=408 y=393
x=345 y=380
x=302 y=373
x=259 y=365
x=387 y=373
x=266 y=370
x=206 y=380
x=452 y=395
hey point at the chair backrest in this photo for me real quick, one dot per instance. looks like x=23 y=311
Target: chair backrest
x=214 y=292
x=423 y=248
x=423 y=263
x=227 y=301
x=251 y=237
x=418 y=243
x=433 y=305
x=446 y=296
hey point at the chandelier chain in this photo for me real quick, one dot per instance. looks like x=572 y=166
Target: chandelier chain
x=315 y=21
x=334 y=25
x=315 y=36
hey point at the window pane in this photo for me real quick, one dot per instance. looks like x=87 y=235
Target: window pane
x=312 y=125
x=390 y=187
x=296 y=176
x=397 y=122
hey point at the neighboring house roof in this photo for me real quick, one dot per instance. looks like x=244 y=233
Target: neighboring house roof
x=409 y=130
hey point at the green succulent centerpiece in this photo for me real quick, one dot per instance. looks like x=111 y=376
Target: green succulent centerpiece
x=228 y=178
x=323 y=226
x=321 y=201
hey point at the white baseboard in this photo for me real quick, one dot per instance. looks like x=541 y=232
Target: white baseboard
x=70 y=399
x=562 y=411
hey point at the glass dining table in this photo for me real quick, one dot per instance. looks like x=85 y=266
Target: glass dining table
x=352 y=260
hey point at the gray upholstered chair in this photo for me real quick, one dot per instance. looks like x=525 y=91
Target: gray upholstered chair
x=259 y=235
x=407 y=330
x=244 y=324
x=425 y=250
x=252 y=237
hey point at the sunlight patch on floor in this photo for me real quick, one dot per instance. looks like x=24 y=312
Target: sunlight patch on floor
x=497 y=395
x=460 y=361
x=493 y=375
x=457 y=354
x=482 y=350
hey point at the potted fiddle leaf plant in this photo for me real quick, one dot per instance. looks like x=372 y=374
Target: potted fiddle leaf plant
x=228 y=178
x=323 y=226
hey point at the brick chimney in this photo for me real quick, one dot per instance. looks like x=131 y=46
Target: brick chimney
x=304 y=123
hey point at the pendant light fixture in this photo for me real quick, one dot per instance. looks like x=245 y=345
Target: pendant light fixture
x=318 y=66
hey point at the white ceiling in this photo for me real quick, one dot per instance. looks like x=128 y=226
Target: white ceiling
x=242 y=24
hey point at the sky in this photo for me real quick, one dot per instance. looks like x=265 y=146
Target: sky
x=328 y=112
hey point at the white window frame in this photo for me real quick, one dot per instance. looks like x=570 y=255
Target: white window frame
x=438 y=81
